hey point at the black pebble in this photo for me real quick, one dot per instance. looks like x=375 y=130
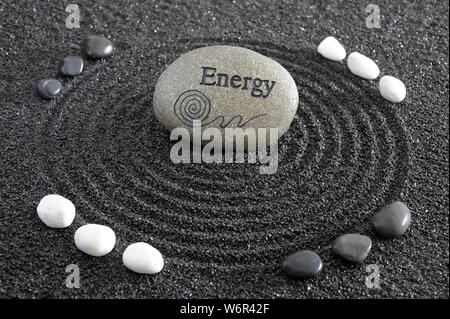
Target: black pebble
x=302 y=264
x=352 y=247
x=71 y=66
x=97 y=47
x=392 y=220
x=49 y=89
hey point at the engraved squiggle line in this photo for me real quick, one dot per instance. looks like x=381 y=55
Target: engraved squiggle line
x=222 y=125
x=194 y=105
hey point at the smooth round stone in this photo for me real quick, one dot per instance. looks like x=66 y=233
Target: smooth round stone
x=302 y=264
x=362 y=66
x=143 y=258
x=49 y=88
x=392 y=89
x=392 y=220
x=56 y=211
x=71 y=66
x=331 y=49
x=96 y=47
x=95 y=240
x=352 y=247
x=225 y=87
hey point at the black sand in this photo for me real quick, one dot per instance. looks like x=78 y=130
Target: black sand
x=224 y=229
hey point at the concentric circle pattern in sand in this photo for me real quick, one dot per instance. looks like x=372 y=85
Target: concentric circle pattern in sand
x=224 y=229
x=115 y=160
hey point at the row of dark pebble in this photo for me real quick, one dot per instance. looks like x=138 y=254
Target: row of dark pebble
x=391 y=221
x=94 y=47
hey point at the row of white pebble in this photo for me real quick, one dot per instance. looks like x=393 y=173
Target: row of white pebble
x=391 y=88
x=98 y=240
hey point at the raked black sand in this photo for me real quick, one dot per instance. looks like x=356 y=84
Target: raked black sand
x=347 y=154
x=193 y=108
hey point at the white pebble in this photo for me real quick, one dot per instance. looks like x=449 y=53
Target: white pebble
x=143 y=258
x=56 y=211
x=362 y=66
x=332 y=49
x=95 y=240
x=392 y=89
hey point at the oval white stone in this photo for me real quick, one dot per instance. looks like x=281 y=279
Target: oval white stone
x=56 y=211
x=332 y=49
x=392 y=89
x=143 y=258
x=95 y=240
x=362 y=66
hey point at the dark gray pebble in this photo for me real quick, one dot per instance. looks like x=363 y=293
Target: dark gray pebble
x=71 y=66
x=352 y=247
x=392 y=220
x=49 y=89
x=97 y=47
x=302 y=264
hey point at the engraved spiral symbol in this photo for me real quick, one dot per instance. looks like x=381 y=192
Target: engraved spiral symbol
x=192 y=105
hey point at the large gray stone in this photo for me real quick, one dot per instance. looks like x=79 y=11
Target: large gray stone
x=225 y=86
x=352 y=247
x=302 y=264
x=392 y=220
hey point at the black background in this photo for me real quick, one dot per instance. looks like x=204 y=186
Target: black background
x=223 y=229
